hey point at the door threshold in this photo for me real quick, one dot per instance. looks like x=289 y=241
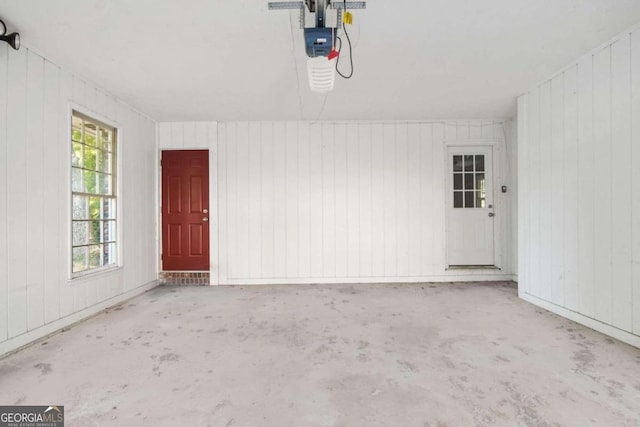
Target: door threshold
x=473 y=267
x=184 y=278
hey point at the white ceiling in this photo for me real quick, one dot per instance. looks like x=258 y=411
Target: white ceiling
x=236 y=60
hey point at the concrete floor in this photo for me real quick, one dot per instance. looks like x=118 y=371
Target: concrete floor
x=361 y=355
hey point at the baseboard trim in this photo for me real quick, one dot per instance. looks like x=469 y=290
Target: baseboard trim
x=589 y=322
x=28 y=338
x=471 y=276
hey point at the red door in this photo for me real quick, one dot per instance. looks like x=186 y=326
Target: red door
x=185 y=210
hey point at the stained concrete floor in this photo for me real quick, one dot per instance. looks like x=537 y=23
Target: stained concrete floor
x=343 y=355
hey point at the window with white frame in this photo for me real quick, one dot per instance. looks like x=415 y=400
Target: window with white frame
x=94 y=197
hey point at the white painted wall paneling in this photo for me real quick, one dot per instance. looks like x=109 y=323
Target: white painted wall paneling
x=512 y=180
x=621 y=167
x=601 y=195
x=307 y=202
x=4 y=193
x=579 y=204
x=304 y=202
x=635 y=178
x=16 y=125
x=35 y=191
x=36 y=295
x=185 y=135
x=571 y=188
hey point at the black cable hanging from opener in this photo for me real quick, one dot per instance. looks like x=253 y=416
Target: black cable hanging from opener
x=344 y=27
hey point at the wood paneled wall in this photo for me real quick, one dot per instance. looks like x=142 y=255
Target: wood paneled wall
x=36 y=295
x=579 y=170
x=304 y=202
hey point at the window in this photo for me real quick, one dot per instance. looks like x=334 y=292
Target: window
x=94 y=198
x=469 y=181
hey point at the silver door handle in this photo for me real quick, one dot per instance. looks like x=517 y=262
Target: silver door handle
x=491 y=214
x=205 y=219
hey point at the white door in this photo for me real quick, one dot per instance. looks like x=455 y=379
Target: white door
x=470 y=240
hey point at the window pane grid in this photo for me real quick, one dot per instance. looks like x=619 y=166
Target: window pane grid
x=104 y=148
x=91 y=158
x=92 y=170
x=94 y=244
x=79 y=193
x=94 y=218
x=469 y=187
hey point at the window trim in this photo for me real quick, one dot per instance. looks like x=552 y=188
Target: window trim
x=84 y=113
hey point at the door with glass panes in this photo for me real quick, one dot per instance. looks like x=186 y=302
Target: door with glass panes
x=470 y=238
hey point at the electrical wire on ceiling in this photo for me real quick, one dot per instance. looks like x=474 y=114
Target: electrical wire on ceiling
x=346 y=34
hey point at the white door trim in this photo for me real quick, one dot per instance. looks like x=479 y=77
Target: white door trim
x=470 y=143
